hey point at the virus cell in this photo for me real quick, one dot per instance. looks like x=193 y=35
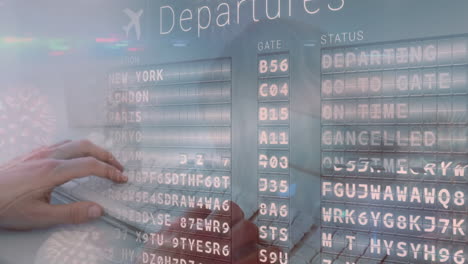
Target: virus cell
x=26 y=121
x=88 y=244
x=78 y=245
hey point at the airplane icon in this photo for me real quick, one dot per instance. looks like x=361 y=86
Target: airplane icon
x=134 y=22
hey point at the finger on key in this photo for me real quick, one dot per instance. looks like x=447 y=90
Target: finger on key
x=67 y=170
x=44 y=152
x=84 y=148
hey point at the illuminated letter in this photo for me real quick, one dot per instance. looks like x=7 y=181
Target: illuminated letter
x=429 y=80
x=429 y=138
x=326 y=214
x=402 y=55
x=444 y=80
x=375 y=57
x=161 y=20
x=414 y=222
x=182 y=19
x=415 y=54
x=350 y=59
x=430 y=53
x=339 y=60
x=430 y=252
x=263 y=138
x=388 y=220
x=327 y=112
x=227 y=14
x=327 y=87
x=336 y=8
x=403 y=252
x=362 y=219
x=402 y=82
x=375 y=244
x=388 y=56
x=278 y=13
x=200 y=26
x=307 y=9
x=239 y=3
x=255 y=19
x=457 y=227
x=327 y=137
x=388 y=246
x=327 y=240
x=338 y=190
x=326 y=188
x=350 y=241
x=416 y=82
x=327 y=61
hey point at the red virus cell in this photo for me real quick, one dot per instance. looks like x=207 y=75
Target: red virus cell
x=80 y=245
x=26 y=121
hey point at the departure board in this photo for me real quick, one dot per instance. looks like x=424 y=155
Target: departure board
x=172 y=124
x=253 y=131
x=393 y=150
